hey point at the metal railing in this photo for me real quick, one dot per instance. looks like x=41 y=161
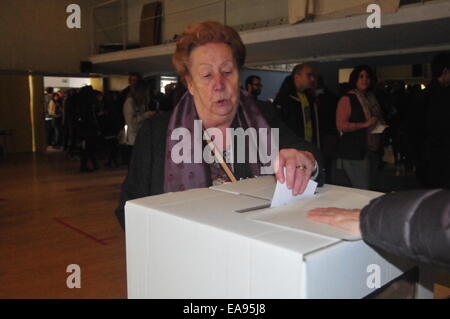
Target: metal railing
x=121 y=32
x=116 y=26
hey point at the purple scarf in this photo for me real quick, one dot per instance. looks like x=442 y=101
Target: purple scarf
x=183 y=176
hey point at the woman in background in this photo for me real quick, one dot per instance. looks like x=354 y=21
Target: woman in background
x=135 y=112
x=357 y=114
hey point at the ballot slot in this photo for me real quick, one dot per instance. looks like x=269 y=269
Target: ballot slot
x=251 y=209
x=261 y=187
x=281 y=196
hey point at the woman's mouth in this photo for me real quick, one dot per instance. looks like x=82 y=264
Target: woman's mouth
x=222 y=102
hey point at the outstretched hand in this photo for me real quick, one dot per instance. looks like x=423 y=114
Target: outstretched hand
x=346 y=219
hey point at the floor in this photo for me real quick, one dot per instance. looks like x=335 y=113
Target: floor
x=52 y=216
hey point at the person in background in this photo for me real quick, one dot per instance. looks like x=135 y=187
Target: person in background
x=109 y=122
x=156 y=96
x=166 y=104
x=69 y=121
x=296 y=103
x=55 y=111
x=411 y=224
x=358 y=113
x=175 y=95
x=437 y=97
x=329 y=136
x=87 y=128
x=48 y=119
x=133 y=80
x=135 y=111
x=253 y=86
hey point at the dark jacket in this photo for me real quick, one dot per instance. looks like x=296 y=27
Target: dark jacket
x=329 y=135
x=438 y=136
x=290 y=110
x=85 y=113
x=146 y=172
x=412 y=224
x=353 y=145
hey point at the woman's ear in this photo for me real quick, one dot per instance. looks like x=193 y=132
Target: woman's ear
x=189 y=84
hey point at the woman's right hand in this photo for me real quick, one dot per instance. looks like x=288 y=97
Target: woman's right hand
x=371 y=122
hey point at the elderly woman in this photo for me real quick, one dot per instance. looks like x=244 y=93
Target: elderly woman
x=209 y=57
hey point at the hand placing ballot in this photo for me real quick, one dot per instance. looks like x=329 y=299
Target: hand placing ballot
x=283 y=195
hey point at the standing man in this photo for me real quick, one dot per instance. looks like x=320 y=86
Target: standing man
x=326 y=103
x=133 y=80
x=296 y=103
x=48 y=119
x=253 y=86
x=437 y=134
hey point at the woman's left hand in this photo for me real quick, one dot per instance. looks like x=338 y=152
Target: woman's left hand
x=299 y=167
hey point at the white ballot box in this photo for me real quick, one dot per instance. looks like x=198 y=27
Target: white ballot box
x=224 y=242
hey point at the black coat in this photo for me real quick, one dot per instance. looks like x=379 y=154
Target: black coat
x=413 y=224
x=290 y=110
x=86 y=124
x=438 y=136
x=146 y=172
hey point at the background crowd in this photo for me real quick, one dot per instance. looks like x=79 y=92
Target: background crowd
x=356 y=129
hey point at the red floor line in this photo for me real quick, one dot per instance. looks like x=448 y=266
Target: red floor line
x=103 y=239
x=80 y=231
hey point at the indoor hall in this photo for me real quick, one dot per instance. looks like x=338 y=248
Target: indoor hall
x=67 y=144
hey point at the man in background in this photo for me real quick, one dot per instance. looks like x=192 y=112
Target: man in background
x=296 y=103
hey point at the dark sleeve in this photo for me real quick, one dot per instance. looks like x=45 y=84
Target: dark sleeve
x=138 y=180
x=278 y=108
x=288 y=139
x=413 y=224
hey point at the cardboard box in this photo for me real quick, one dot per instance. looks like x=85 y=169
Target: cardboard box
x=194 y=244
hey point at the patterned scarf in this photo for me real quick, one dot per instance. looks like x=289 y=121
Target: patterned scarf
x=369 y=104
x=371 y=108
x=183 y=176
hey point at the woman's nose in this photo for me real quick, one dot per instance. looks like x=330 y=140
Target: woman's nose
x=218 y=82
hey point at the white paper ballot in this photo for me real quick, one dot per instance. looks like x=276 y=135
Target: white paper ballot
x=283 y=195
x=379 y=128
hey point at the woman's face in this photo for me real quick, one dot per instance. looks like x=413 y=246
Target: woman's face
x=213 y=81
x=363 y=82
